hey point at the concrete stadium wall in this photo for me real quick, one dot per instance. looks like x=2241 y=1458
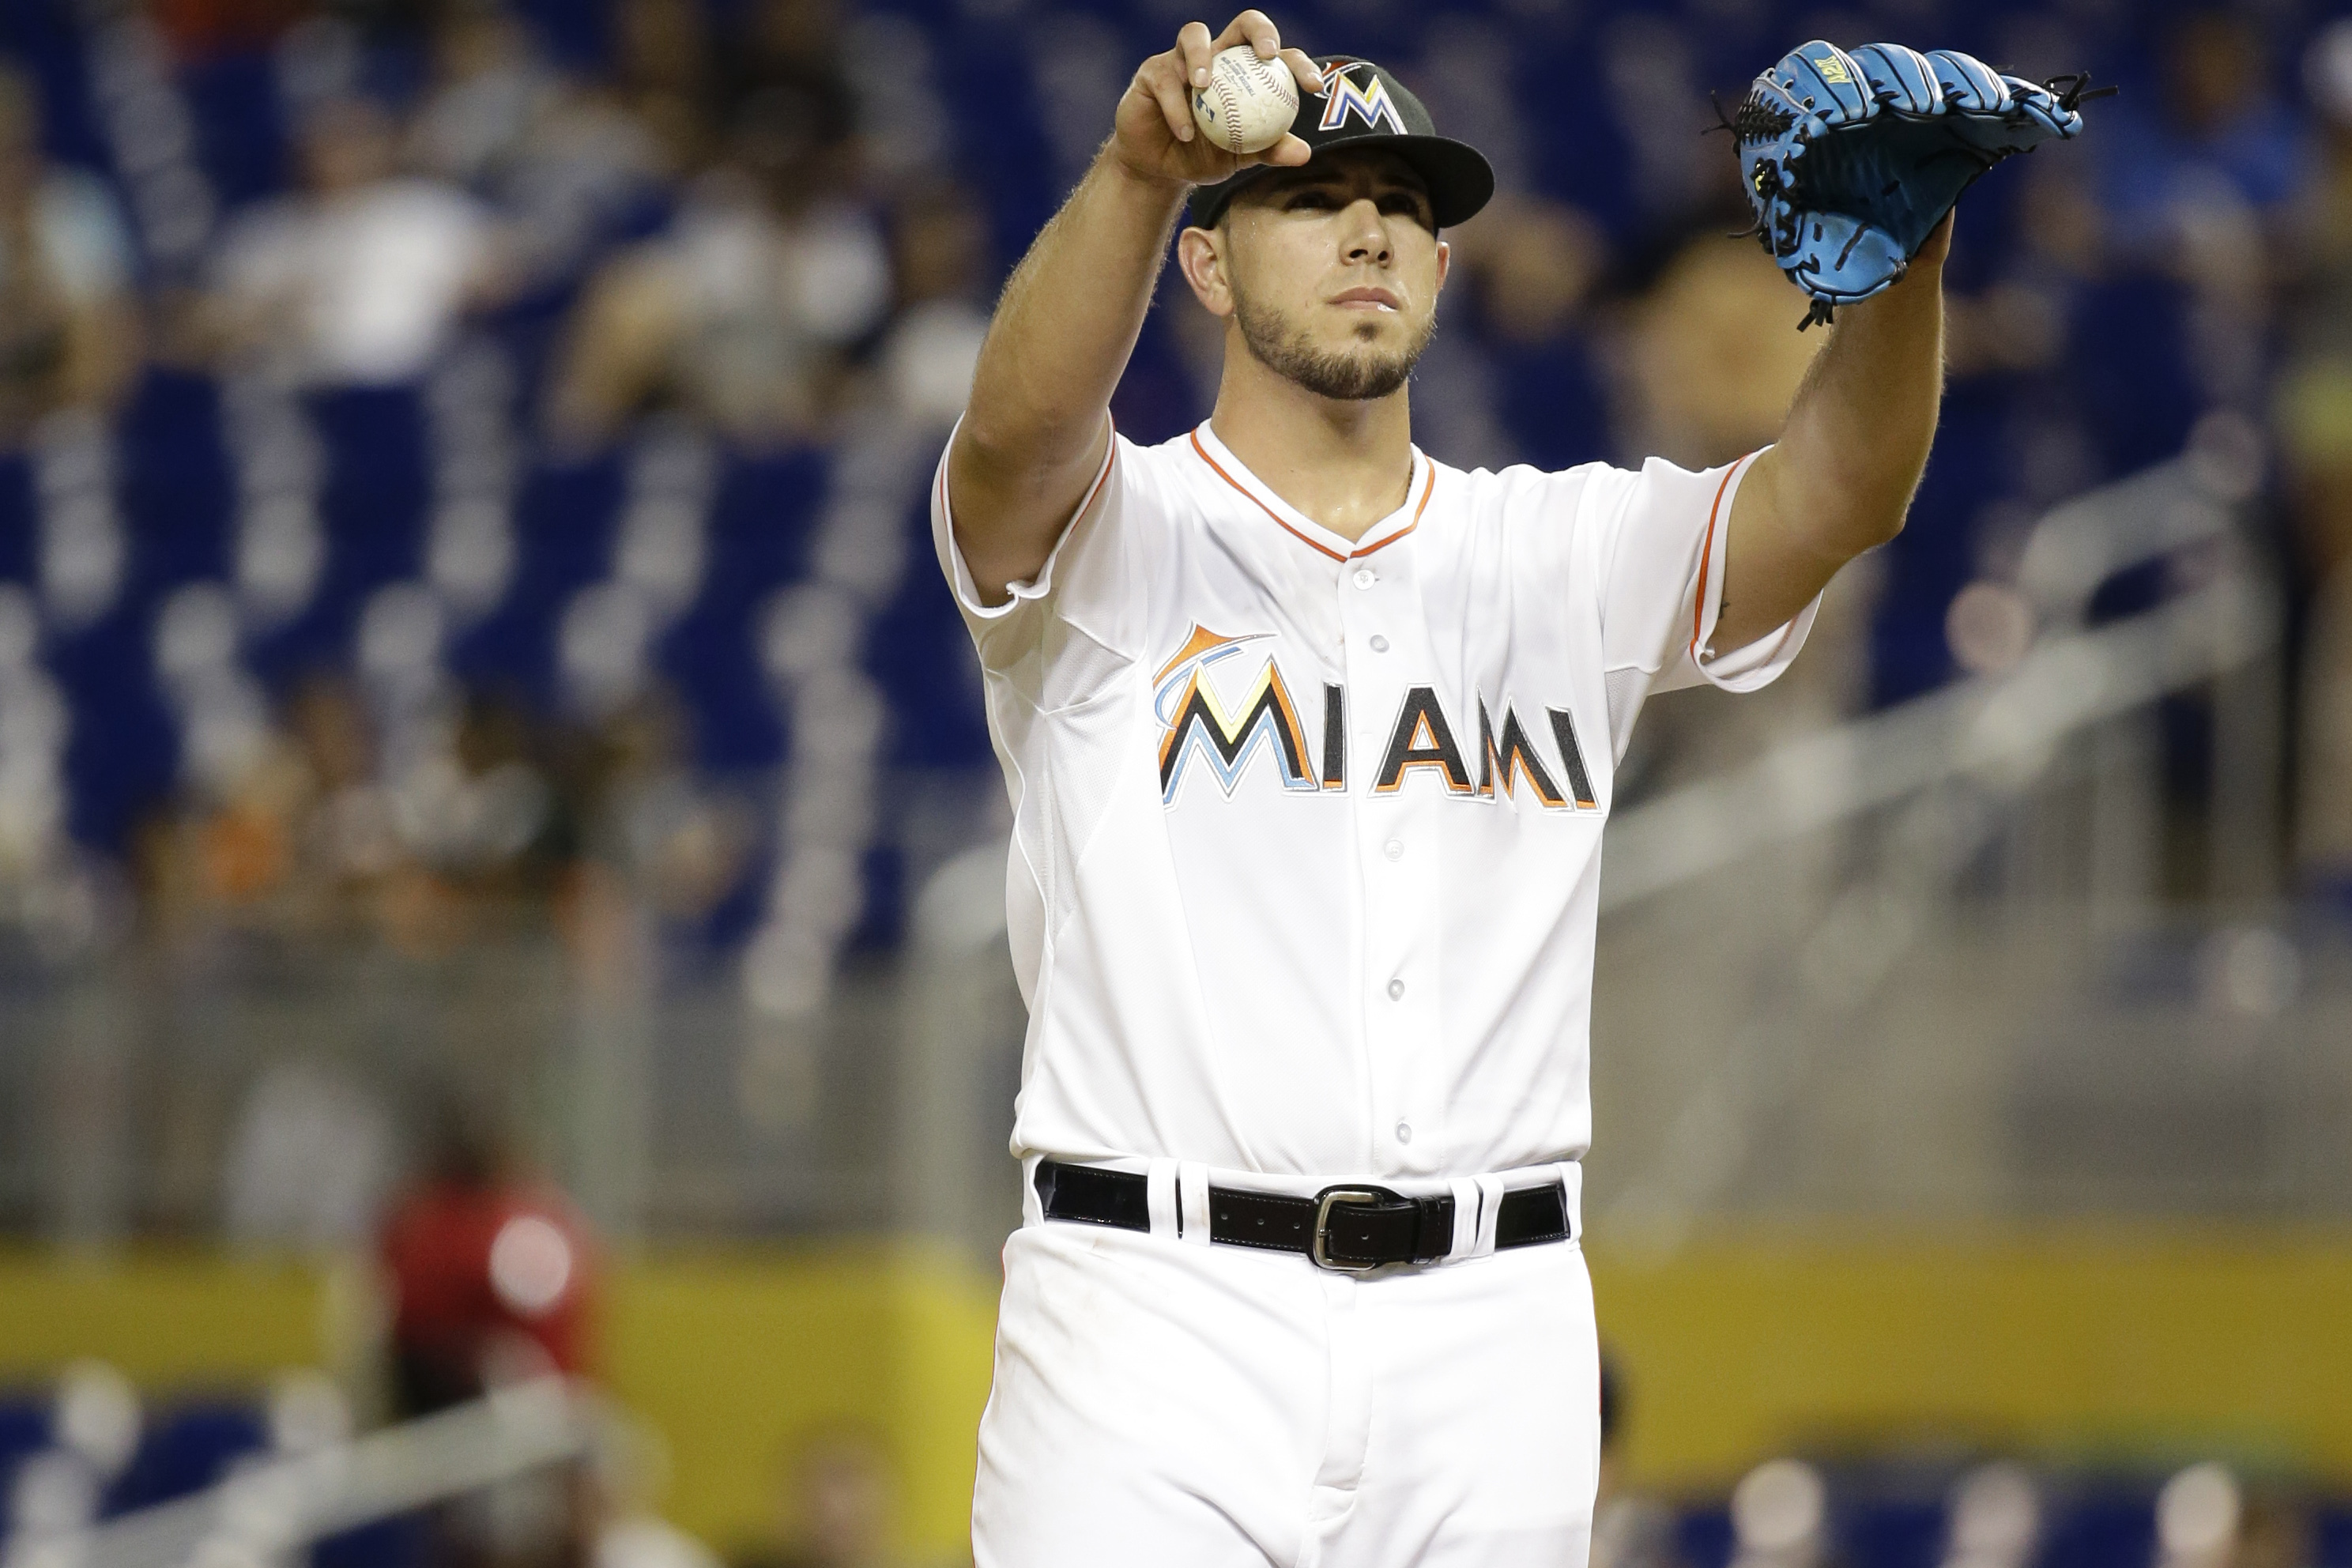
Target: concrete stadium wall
x=2077 y=1344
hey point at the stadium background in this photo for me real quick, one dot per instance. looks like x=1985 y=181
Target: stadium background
x=469 y=651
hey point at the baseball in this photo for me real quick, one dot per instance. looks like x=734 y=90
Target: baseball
x=1248 y=103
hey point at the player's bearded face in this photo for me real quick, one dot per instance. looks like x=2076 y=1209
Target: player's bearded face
x=1367 y=363
x=1335 y=281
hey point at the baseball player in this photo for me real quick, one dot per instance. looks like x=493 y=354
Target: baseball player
x=1310 y=741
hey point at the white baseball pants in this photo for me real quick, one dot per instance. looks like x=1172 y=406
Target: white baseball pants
x=1164 y=1405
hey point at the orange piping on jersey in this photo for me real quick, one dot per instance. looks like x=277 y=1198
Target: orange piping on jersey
x=1109 y=460
x=1706 y=556
x=1310 y=543
x=1427 y=490
x=1259 y=504
x=947 y=504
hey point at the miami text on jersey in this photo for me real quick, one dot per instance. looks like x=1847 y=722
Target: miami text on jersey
x=1197 y=721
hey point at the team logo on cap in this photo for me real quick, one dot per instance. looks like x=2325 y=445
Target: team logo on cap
x=1372 y=104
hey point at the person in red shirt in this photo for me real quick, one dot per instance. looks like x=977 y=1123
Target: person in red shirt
x=490 y=1271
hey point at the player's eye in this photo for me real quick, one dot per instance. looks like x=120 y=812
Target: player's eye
x=1309 y=201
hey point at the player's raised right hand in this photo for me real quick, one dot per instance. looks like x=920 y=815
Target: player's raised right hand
x=1157 y=138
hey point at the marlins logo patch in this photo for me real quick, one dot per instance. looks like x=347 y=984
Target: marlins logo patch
x=1370 y=103
x=1223 y=736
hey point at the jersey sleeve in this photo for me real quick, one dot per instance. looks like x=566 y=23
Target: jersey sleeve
x=1666 y=536
x=1060 y=633
x=1663 y=535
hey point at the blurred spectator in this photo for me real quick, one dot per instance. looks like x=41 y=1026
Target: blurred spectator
x=35 y=724
x=564 y=164
x=838 y=1506
x=1709 y=355
x=2314 y=422
x=625 y=1477
x=489 y=1273
x=199 y=29
x=69 y=328
x=791 y=49
x=490 y=92
x=361 y=277
x=2017 y=323
x=484 y=834
x=296 y=834
x=309 y=1159
x=2220 y=128
x=939 y=257
x=226 y=858
x=678 y=846
x=661 y=74
x=2202 y=194
x=741 y=311
x=1531 y=266
x=348 y=842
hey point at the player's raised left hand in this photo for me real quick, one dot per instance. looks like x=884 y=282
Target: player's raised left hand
x=1156 y=137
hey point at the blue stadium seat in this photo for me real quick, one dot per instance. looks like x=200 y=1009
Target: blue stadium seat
x=185 y=1451
x=563 y=521
x=1891 y=1533
x=2332 y=1537
x=404 y=1541
x=762 y=523
x=372 y=505
x=1703 y=1538
x=23 y=1432
x=20 y=538
x=242 y=140
x=2107 y=1525
x=42 y=36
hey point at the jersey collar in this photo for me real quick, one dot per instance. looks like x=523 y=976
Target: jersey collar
x=1305 y=530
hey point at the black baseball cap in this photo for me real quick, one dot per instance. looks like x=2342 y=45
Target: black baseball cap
x=1362 y=105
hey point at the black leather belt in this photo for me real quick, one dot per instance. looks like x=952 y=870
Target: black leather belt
x=1352 y=1229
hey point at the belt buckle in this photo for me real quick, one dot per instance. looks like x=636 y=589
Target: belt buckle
x=1324 y=1203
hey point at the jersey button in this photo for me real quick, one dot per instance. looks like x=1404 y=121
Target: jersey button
x=1393 y=849
x=1366 y=577
x=1405 y=1131
x=1379 y=645
x=1396 y=990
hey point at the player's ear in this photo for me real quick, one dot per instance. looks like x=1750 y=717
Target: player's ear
x=1201 y=256
x=1445 y=264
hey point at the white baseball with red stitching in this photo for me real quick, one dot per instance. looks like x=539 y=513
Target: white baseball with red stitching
x=1248 y=103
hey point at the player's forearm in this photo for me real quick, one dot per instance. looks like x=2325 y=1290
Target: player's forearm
x=1841 y=476
x=1061 y=338
x=1070 y=315
x=1858 y=434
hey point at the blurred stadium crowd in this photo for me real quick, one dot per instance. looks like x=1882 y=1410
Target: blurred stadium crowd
x=464 y=455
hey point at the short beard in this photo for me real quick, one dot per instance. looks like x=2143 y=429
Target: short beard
x=1343 y=377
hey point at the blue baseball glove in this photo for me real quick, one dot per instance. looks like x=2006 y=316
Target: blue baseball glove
x=1852 y=157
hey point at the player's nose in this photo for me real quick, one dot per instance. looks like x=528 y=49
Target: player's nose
x=1363 y=237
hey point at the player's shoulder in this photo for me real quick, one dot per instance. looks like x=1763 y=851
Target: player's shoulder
x=1176 y=449
x=1521 y=492
x=1155 y=466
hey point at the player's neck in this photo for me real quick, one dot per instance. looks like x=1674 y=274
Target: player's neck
x=1347 y=465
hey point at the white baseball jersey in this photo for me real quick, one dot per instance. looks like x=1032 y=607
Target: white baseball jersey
x=1307 y=851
